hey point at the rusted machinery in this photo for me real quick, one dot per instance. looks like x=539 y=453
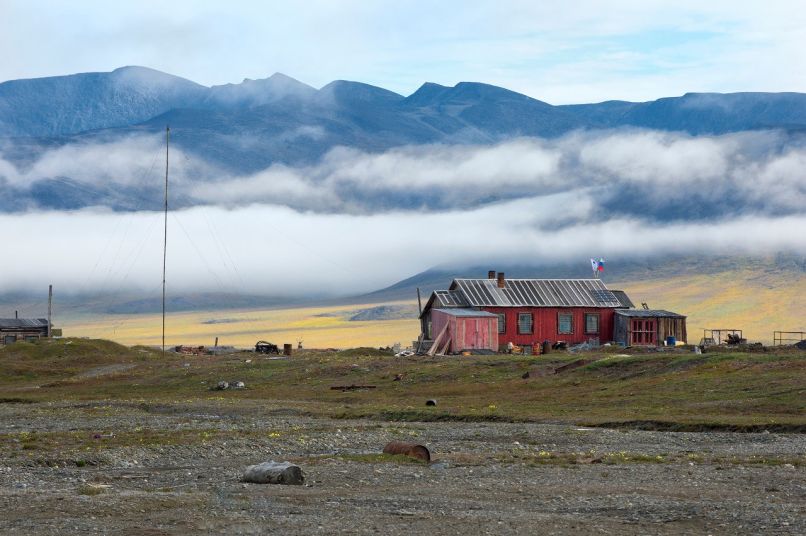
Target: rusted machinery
x=408 y=449
x=263 y=347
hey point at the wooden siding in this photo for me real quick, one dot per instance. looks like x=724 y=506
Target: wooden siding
x=665 y=327
x=466 y=332
x=545 y=325
x=21 y=334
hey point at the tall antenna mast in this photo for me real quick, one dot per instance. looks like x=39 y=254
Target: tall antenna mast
x=165 y=237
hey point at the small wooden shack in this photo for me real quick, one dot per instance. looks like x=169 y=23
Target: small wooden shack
x=458 y=330
x=22 y=329
x=648 y=327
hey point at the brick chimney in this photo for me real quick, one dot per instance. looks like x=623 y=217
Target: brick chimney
x=491 y=274
x=501 y=281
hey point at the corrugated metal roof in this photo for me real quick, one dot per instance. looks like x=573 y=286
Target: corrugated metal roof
x=622 y=297
x=465 y=312
x=649 y=313
x=16 y=323
x=448 y=298
x=536 y=293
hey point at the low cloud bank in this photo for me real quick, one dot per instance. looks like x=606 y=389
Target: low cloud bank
x=641 y=173
x=358 y=221
x=277 y=250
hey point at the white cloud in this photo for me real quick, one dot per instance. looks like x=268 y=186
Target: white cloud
x=277 y=250
x=757 y=171
x=658 y=157
x=340 y=227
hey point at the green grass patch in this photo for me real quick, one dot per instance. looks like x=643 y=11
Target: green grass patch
x=658 y=390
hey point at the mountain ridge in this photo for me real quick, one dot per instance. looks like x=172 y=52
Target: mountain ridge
x=36 y=107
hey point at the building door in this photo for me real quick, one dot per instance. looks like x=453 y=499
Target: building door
x=9 y=339
x=643 y=332
x=474 y=340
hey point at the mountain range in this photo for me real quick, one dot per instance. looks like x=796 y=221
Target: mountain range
x=248 y=126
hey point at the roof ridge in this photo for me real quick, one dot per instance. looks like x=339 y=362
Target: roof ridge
x=529 y=279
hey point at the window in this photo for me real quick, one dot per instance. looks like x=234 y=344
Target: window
x=643 y=332
x=565 y=323
x=502 y=323
x=524 y=322
x=591 y=323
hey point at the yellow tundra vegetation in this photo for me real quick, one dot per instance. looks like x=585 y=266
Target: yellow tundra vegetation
x=317 y=327
x=757 y=302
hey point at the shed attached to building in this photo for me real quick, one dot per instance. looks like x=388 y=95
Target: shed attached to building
x=22 y=329
x=464 y=329
x=648 y=327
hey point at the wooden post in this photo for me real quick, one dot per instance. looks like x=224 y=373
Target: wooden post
x=419 y=301
x=437 y=340
x=50 y=308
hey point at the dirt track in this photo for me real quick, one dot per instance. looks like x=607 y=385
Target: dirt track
x=175 y=469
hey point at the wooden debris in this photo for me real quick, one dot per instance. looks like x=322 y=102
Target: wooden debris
x=352 y=387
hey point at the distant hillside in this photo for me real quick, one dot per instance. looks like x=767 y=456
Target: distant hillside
x=701 y=113
x=63 y=105
x=618 y=273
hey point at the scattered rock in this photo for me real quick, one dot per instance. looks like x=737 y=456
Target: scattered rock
x=222 y=386
x=525 y=375
x=237 y=385
x=274 y=473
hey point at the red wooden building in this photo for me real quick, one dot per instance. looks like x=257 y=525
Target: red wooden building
x=527 y=311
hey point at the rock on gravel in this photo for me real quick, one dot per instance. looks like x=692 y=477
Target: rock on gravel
x=274 y=473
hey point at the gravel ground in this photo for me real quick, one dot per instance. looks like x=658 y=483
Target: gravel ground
x=485 y=478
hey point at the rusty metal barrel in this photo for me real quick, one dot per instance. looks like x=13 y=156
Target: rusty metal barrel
x=287 y=349
x=408 y=449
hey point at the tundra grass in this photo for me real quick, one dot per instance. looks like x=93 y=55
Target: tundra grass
x=743 y=391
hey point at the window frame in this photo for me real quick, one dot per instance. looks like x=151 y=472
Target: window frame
x=502 y=323
x=598 y=318
x=571 y=323
x=531 y=323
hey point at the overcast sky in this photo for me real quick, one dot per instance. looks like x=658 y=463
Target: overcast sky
x=559 y=51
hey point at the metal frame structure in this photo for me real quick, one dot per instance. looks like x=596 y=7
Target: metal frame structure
x=718 y=336
x=778 y=338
